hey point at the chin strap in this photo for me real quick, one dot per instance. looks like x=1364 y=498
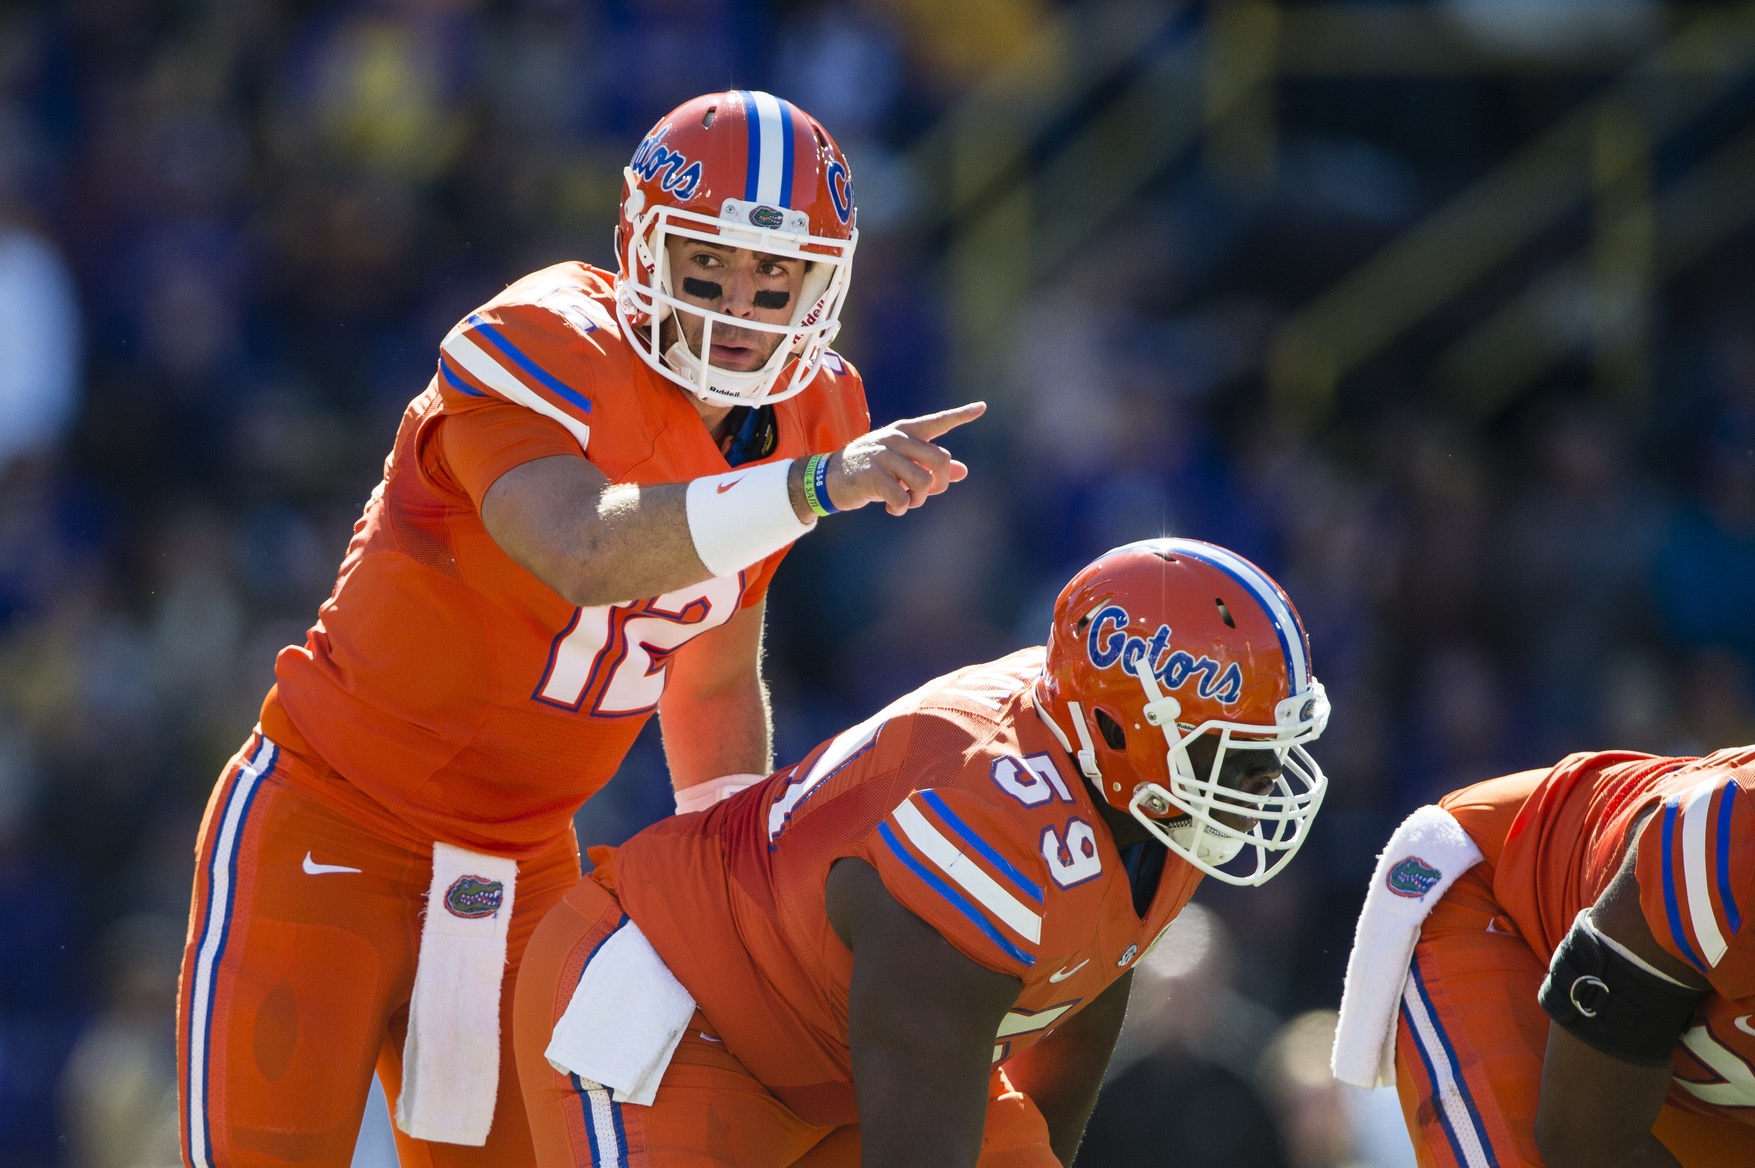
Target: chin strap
x=1087 y=752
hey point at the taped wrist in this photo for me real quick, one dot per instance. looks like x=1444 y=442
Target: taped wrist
x=743 y=517
x=1607 y=999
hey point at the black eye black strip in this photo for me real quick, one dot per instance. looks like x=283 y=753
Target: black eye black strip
x=707 y=289
x=772 y=299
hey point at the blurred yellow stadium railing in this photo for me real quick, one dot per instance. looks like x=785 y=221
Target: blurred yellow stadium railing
x=1484 y=225
x=1011 y=206
x=1005 y=215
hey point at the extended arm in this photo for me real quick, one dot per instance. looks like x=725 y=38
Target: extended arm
x=1062 y=1072
x=921 y=1018
x=714 y=711
x=597 y=543
x=1597 y=1109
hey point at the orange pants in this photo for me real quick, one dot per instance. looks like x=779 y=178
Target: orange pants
x=709 y=1109
x=1471 y=1040
x=295 y=982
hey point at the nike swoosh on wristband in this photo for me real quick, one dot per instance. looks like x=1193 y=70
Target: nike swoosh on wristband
x=1063 y=974
x=724 y=487
x=312 y=868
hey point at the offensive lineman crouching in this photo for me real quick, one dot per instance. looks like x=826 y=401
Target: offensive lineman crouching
x=1609 y=893
x=914 y=947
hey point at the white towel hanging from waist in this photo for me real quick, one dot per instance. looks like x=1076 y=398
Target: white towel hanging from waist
x=624 y=1020
x=1422 y=860
x=451 y=1060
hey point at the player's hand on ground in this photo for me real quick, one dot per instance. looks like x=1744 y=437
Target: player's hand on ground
x=900 y=465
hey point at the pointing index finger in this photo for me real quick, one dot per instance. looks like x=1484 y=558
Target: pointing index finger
x=932 y=425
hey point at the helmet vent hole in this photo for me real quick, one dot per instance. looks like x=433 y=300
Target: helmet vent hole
x=1084 y=621
x=1111 y=731
x=1225 y=614
x=707 y=118
x=821 y=141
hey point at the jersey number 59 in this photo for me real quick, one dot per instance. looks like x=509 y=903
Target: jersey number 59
x=610 y=660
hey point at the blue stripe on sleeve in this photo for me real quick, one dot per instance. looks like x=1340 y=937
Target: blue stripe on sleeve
x=1023 y=883
x=1671 y=907
x=505 y=346
x=1732 y=916
x=932 y=881
x=456 y=382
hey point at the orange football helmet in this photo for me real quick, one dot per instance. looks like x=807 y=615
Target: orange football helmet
x=745 y=169
x=1188 y=639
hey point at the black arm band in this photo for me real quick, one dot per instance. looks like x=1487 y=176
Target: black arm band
x=1603 y=998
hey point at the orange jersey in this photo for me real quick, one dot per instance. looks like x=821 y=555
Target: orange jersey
x=468 y=700
x=977 y=822
x=1696 y=870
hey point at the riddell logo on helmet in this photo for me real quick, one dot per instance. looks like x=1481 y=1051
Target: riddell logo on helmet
x=1109 y=643
x=681 y=176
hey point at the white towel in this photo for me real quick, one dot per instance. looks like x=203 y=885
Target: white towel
x=624 y=1019
x=1417 y=867
x=451 y=1061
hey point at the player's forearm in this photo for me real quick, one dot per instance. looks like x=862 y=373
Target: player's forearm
x=707 y=735
x=1063 y=1073
x=908 y=1119
x=596 y=543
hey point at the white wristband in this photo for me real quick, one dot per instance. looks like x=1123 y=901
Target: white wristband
x=704 y=795
x=743 y=517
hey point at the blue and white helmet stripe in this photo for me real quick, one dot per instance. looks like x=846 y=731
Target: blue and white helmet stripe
x=768 y=178
x=1286 y=625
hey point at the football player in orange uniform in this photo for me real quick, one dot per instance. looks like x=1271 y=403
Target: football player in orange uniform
x=577 y=526
x=1582 y=994
x=914 y=947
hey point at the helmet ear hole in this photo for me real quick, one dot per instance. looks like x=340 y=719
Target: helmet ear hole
x=1111 y=731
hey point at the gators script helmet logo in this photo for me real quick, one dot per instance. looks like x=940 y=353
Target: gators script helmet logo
x=1184 y=638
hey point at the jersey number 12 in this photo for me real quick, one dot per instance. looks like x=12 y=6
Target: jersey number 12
x=610 y=660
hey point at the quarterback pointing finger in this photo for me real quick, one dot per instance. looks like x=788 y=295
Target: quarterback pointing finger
x=577 y=527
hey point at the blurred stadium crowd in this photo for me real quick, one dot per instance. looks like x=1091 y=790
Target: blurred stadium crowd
x=232 y=233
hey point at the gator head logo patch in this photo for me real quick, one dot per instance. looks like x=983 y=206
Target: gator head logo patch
x=766 y=217
x=1413 y=878
x=1132 y=952
x=471 y=897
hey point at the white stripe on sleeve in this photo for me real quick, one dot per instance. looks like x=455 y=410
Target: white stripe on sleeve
x=1695 y=814
x=497 y=377
x=1017 y=916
